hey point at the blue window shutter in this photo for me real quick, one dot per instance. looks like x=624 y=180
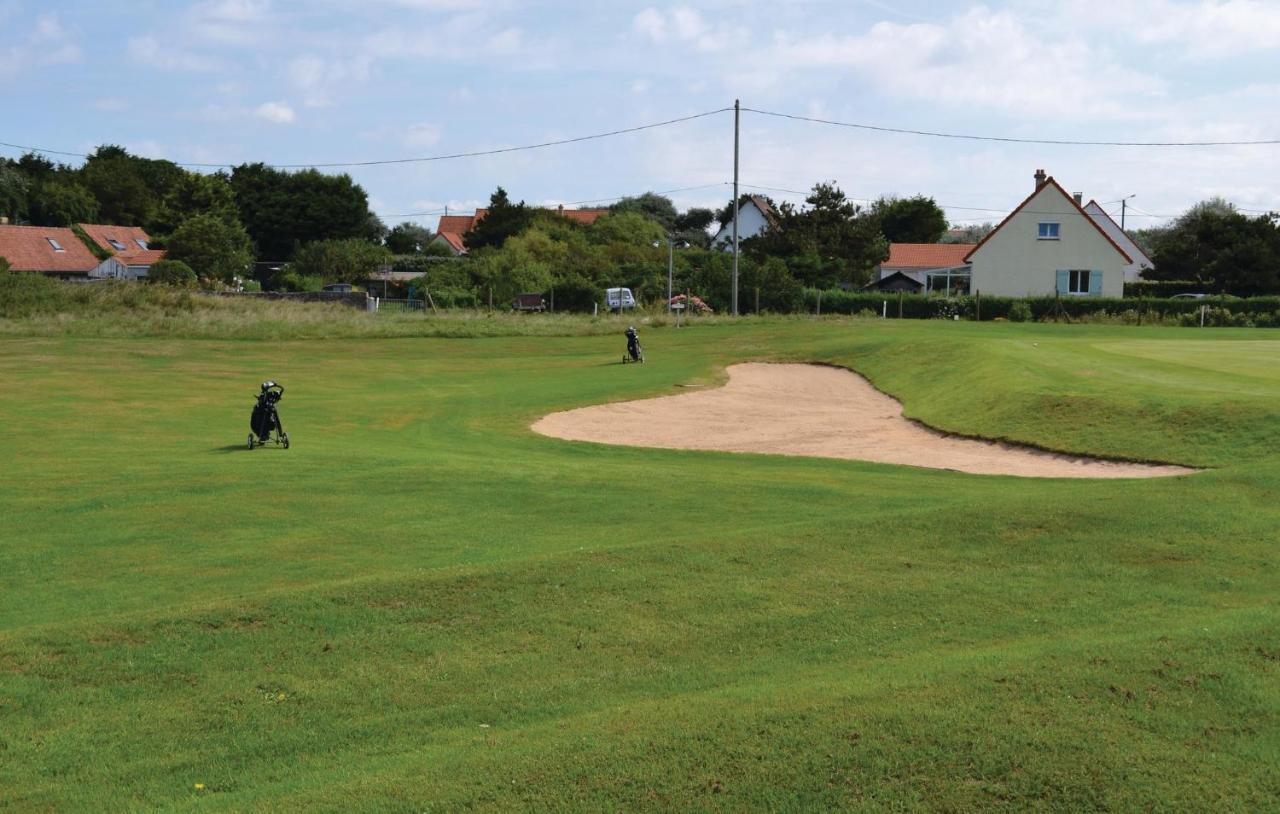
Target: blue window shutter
x=1095 y=283
x=1064 y=280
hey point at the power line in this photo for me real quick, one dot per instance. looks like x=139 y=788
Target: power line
x=423 y=159
x=1010 y=139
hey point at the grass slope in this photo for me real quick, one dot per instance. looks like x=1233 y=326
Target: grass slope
x=423 y=606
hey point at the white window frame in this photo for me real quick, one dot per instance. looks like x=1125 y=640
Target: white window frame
x=1078 y=282
x=57 y=247
x=1044 y=234
x=142 y=244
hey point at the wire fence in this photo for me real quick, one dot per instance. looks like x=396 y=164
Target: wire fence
x=380 y=305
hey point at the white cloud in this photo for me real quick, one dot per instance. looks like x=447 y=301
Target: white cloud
x=48 y=43
x=984 y=58
x=1203 y=28
x=422 y=135
x=319 y=79
x=275 y=112
x=148 y=50
x=234 y=22
x=686 y=26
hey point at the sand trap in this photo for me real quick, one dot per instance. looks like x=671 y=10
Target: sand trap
x=820 y=411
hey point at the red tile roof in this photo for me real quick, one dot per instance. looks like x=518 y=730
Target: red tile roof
x=131 y=254
x=27 y=248
x=1050 y=182
x=926 y=255
x=453 y=227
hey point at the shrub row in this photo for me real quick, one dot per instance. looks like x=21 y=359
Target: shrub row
x=919 y=306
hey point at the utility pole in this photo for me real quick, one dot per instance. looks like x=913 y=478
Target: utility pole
x=1124 y=205
x=737 y=114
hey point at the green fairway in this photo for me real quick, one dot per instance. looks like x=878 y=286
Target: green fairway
x=424 y=606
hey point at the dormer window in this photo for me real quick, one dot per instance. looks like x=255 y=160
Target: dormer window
x=57 y=247
x=1048 y=231
x=115 y=244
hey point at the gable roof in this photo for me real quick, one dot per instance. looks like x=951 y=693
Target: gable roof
x=132 y=254
x=27 y=248
x=1094 y=210
x=927 y=255
x=1047 y=183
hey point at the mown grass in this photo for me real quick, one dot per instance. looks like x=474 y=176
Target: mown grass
x=423 y=606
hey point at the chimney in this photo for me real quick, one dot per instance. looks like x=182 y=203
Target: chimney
x=1040 y=178
x=1079 y=196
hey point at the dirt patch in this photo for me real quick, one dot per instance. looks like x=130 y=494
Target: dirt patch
x=819 y=411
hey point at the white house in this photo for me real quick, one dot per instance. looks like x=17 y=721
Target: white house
x=1049 y=243
x=1133 y=271
x=754 y=216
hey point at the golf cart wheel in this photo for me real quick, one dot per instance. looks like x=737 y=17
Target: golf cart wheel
x=250 y=440
x=284 y=439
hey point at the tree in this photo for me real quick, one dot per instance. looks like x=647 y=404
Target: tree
x=339 y=261
x=194 y=193
x=4 y=266
x=1222 y=250
x=651 y=205
x=171 y=272
x=631 y=228
x=119 y=187
x=214 y=248
x=833 y=230
x=59 y=202
x=910 y=220
x=283 y=210
x=408 y=238
x=14 y=187
x=503 y=220
x=691 y=227
x=971 y=233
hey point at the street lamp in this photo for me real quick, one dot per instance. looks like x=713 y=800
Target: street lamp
x=671 y=261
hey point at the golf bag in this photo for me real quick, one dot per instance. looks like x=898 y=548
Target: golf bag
x=266 y=419
x=634 y=352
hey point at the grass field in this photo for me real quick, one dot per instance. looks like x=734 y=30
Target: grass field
x=423 y=606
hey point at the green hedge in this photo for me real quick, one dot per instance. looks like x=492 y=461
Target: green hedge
x=919 y=306
x=1160 y=289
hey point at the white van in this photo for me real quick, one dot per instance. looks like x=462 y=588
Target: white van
x=619 y=298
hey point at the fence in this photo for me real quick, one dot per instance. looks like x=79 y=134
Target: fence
x=379 y=305
x=355 y=299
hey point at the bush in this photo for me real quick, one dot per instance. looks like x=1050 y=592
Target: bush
x=172 y=272
x=1019 y=312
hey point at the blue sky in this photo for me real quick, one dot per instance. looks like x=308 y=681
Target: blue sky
x=228 y=81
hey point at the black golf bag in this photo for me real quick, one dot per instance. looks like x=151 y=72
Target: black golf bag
x=266 y=419
x=634 y=352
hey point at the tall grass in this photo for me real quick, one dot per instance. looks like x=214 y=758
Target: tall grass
x=33 y=305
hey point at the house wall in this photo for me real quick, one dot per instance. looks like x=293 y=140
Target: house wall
x=1015 y=263
x=751 y=222
x=1133 y=271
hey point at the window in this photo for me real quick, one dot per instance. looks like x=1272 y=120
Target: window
x=115 y=244
x=1078 y=281
x=142 y=244
x=1048 y=231
x=57 y=247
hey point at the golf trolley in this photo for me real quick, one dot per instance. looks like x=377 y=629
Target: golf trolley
x=634 y=352
x=265 y=421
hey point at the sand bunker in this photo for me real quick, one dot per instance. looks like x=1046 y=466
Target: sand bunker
x=820 y=411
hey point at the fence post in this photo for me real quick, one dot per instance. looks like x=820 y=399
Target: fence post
x=757 y=300
x=553 y=299
x=977 y=306
x=899 y=305
x=819 y=313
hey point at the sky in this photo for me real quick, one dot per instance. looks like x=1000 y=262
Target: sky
x=328 y=81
